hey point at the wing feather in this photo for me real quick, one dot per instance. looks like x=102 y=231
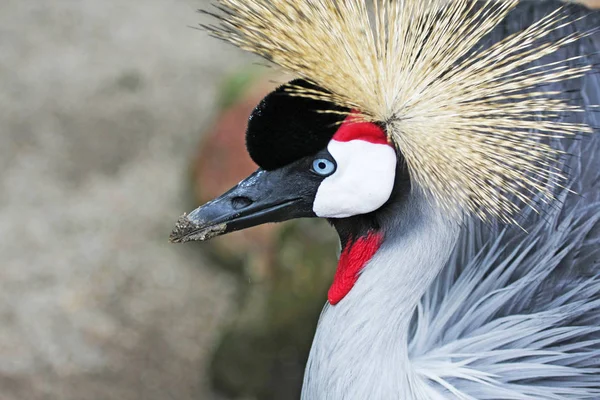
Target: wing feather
x=521 y=310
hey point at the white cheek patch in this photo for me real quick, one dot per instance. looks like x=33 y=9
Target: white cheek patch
x=362 y=183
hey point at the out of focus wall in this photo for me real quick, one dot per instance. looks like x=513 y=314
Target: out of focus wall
x=101 y=105
x=591 y=3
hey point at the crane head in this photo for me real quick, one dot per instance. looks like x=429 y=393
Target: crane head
x=315 y=159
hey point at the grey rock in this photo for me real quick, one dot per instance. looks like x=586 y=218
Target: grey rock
x=101 y=102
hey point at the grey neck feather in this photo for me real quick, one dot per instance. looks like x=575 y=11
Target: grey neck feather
x=360 y=347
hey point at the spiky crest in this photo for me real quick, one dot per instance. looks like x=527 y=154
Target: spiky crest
x=467 y=122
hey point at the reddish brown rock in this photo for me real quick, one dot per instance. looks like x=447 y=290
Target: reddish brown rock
x=222 y=161
x=285 y=268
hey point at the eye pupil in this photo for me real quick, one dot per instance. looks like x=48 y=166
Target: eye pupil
x=322 y=165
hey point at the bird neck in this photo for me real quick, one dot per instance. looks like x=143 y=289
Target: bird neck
x=361 y=343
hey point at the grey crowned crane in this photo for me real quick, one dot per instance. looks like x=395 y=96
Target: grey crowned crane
x=437 y=137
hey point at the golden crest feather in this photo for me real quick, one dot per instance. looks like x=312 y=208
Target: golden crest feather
x=468 y=122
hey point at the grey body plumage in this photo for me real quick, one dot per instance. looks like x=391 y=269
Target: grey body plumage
x=513 y=314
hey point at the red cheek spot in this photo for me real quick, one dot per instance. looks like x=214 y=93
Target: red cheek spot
x=354 y=257
x=353 y=129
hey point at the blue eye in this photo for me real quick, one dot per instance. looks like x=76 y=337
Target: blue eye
x=323 y=166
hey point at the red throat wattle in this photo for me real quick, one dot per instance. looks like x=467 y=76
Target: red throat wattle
x=352 y=260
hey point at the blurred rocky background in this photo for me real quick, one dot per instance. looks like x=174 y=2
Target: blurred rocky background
x=589 y=3
x=101 y=108
x=116 y=117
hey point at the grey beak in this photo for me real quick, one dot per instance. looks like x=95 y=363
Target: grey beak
x=263 y=197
